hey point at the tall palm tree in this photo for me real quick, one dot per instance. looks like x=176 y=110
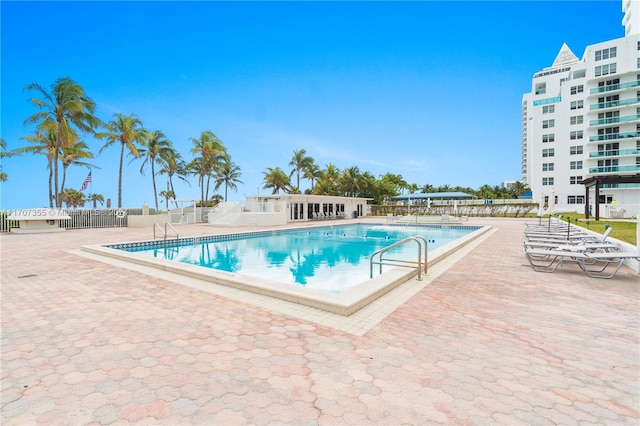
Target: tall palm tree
x=311 y=172
x=276 y=179
x=211 y=151
x=300 y=161
x=327 y=181
x=43 y=142
x=128 y=131
x=4 y=154
x=173 y=164
x=350 y=181
x=73 y=154
x=64 y=107
x=157 y=146
x=227 y=173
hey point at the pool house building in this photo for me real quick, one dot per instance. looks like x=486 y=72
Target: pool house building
x=280 y=209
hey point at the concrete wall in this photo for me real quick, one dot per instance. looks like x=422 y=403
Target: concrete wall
x=142 y=221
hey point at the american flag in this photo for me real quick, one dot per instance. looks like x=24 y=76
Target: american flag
x=86 y=182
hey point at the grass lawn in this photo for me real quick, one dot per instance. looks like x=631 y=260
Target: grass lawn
x=623 y=231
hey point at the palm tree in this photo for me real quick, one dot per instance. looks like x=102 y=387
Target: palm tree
x=350 y=181
x=311 y=172
x=300 y=162
x=73 y=198
x=227 y=173
x=276 y=179
x=128 y=130
x=327 y=181
x=157 y=146
x=173 y=164
x=63 y=108
x=96 y=198
x=166 y=195
x=72 y=154
x=43 y=142
x=4 y=154
x=211 y=152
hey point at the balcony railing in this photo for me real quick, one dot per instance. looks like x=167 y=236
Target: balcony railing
x=613 y=120
x=614 y=136
x=613 y=169
x=614 y=104
x=613 y=87
x=614 y=153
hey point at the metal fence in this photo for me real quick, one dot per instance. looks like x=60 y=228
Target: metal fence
x=83 y=218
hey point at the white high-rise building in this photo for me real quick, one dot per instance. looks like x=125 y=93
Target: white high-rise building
x=581 y=126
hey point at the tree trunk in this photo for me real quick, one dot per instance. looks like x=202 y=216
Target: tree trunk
x=153 y=178
x=50 y=189
x=120 y=177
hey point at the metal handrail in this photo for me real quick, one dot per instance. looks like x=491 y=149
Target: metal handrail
x=401 y=262
x=164 y=233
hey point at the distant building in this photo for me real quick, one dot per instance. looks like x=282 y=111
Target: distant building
x=432 y=197
x=508 y=184
x=581 y=123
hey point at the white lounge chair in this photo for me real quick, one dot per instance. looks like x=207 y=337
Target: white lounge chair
x=593 y=264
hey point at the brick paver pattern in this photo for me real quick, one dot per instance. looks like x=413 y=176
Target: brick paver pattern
x=488 y=342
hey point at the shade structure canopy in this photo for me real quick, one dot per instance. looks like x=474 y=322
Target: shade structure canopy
x=604 y=180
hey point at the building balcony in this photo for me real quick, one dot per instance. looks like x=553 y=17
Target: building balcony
x=614 y=136
x=614 y=104
x=614 y=169
x=614 y=120
x=614 y=153
x=614 y=87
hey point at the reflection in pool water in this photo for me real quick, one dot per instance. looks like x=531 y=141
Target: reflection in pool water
x=326 y=258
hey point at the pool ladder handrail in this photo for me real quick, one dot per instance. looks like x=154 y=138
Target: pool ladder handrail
x=164 y=233
x=400 y=262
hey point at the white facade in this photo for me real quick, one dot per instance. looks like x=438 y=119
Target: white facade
x=631 y=19
x=582 y=120
x=270 y=210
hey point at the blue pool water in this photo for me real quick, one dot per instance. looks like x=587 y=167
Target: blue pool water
x=331 y=258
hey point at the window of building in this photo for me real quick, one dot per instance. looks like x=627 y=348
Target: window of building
x=606 y=83
x=574 y=180
x=541 y=88
x=547 y=167
x=547 y=124
x=608 y=131
x=577 y=134
x=610 y=148
x=608 y=116
x=605 y=69
x=577 y=89
x=579 y=74
x=603 y=54
x=577 y=104
x=548 y=109
x=603 y=163
x=551 y=137
x=575 y=150
x=547 y=181
x=575 y=165
x=575 y=199
x=548 y=152
x=576 y=119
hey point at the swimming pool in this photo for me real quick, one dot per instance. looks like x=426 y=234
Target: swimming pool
x=327 y=258
x=360 y=291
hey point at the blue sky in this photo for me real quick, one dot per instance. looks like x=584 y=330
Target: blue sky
x=427 y=90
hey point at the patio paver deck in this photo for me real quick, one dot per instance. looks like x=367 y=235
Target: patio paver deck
x=487 y=341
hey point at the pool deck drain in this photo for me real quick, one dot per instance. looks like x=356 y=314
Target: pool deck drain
x=486 y=341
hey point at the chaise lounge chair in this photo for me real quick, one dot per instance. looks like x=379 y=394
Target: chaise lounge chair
x=593 y=263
